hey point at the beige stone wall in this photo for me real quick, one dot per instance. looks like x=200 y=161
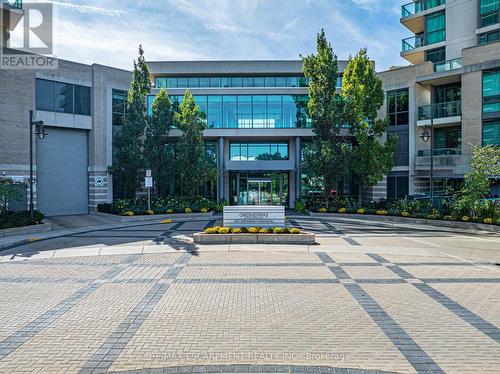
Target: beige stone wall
x=471 y=110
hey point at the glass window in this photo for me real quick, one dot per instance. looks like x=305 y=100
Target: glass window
x=491 y=133
x=436 y=55
x=489 y=12
x=489 y=37
x=235 y=152
x=289 y=111
x=435 y=26
x=258 y=151
x=182 y=82
x=237 y=82
x=45 y=95
x=247 y=82
x=193 y=82
x=215 y=82
x=230 y=111
x=303 y=119
x=258 y=81
x=274 y=111
x=82 y=100
x=214 y=112
x=204 y=82
x=226 y=82
x=302 y=81
x=339 y=82
x=64 y=98
x=171 y=82
x=259 y=111
x=397 y=187
x=150 y=100
x=270 y=81
x=448 y=138
x=292 y=81
x=491 y=91
x=244 y=112
x=201 y=101
x=161 y=82
x=447 y=93
x=119 y=99
x=397 y=107
x=280 y=81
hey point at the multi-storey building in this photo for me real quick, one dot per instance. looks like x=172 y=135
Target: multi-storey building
x=454 y=81
x=256 y=118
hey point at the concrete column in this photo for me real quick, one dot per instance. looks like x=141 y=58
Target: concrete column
x=298 y=171
x=220 y=167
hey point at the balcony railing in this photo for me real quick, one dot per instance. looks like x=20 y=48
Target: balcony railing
x=440 y=152
x=448 y=65
x=412 y=42
x=441 y=110
x=14 y=3
x=419 y=6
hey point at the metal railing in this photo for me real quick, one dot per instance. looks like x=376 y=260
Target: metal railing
x=412 y=42
x=415 y=7
x=448 y=65
x=441 y=110
x=440 y=152
x=13 y=3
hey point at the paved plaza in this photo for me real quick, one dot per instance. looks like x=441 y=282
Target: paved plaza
x=369 y=297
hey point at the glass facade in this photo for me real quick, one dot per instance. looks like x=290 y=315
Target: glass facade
x=436 y=55
x=258 y=151
x=397 y=107
x=447 y=138
x=491 y=91
x=489 y=12
x=488 y=37
x=259 y=188
x=435 y=27
x=491 y=132
x=234 y=82
x=250 y=111
x=119 y=107
x=397 y=187
x=62 y=97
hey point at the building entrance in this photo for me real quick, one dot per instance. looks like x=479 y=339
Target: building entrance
x=250 y=188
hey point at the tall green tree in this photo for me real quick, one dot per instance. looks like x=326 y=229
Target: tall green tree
x=128 y=140
x=324 y=158
x=193 y=167
x=371 y=157
x=156 y=152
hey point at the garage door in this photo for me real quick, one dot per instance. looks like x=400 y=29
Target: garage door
x=62 y=172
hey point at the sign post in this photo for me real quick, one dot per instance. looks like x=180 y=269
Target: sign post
x=148 y=182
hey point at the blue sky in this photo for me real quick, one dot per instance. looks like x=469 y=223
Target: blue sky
x=109 y=31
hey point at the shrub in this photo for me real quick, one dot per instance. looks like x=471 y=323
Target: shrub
x=322 y=210
x=432 y=216
x=294 y=231
x=169 y=211
x=128 y=213
x=211 y=231
x=361 y=211
x=188 y=210
x=498 y=222
x=404 y=213
x=488 y=221
x=19 y=219
x=263 y=231
x=277 y=230
x=448 y=218
x=150 y=212
x=253 y=230
x=300 y=207
x=381 y=212
x=204 y=210
x=342 y=210
x=224 y=230
x=105 y=208
x=236 y=231
x=465 y=219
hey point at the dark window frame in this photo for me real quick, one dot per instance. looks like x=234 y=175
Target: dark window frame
x=54 y=108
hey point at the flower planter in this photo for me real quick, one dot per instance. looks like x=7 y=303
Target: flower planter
x=304 y=238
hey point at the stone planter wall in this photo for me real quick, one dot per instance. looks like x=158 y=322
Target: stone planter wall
x=153 y=217
x=303 y=238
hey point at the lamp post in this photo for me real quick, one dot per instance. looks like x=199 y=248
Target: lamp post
x=41 y=133
x=426 y=135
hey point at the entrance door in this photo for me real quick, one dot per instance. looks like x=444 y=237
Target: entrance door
x=259 y=191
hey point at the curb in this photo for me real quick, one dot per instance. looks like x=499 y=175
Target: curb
x=419 y=221
x=154 y=217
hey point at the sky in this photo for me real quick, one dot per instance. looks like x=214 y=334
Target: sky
x=108 y=32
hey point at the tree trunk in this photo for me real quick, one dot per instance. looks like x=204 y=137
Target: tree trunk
x=360 y=195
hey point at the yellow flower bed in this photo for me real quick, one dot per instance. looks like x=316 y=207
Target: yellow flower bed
x=381 y=212
x=150 y=212
x=323 y=210
x=465 y=219
x=404 y=213
x=188 y=210
x=488 y=221
x=204 y=210
x=342 y=210
x=361 y=211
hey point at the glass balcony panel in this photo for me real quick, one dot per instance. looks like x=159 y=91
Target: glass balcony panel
x=448 y=65
x=441 y=110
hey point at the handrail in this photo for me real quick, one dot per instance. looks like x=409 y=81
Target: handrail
x=440 y=152
x=440 y=110
x=453 y=64
x=412 y=42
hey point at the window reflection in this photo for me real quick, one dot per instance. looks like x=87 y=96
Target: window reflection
x=258 y=151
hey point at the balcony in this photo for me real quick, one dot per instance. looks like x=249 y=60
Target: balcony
x=412 y=14
x=444 y=158
x=448 y=65
x=13 y=3
x=442 y=113
x=440 y=152
x=412 y=43
x=413 y=48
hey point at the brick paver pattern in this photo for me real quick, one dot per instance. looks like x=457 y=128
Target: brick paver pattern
x=249 y=312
